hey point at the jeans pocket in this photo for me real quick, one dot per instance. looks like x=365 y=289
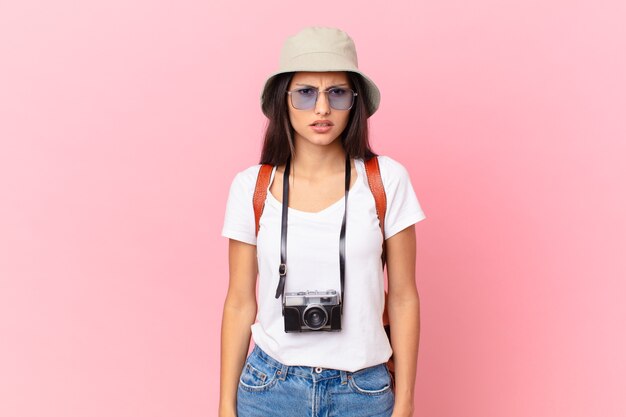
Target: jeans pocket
x=257 y=375
x=374 y=380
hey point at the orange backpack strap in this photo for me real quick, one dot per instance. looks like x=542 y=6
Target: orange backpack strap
x=378 y=190
x=260 y=192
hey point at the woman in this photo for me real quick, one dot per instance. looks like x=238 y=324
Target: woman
x=320 y=345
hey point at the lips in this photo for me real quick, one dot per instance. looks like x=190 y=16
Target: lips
x=322 y=126
x=322 y=123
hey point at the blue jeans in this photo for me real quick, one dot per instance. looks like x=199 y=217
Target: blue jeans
x=268 y=388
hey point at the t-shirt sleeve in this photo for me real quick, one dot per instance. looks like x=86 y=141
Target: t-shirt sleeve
x=403 y=207
x=239 y=216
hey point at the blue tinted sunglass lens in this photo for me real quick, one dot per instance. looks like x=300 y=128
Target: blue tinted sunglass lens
x=304 y=99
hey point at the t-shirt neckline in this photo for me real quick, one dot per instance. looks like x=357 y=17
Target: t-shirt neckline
x=331 y=208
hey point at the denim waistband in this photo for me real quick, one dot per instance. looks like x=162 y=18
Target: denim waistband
x=311 y=372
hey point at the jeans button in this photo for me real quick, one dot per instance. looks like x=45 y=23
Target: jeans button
x=318 y=370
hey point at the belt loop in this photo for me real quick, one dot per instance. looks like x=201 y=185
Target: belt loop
x=344 y=377
x=282 y=373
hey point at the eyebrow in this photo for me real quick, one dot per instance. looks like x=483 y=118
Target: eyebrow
x=332 y=86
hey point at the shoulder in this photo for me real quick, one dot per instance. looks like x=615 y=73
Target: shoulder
x=247 y=177
x=392 y=171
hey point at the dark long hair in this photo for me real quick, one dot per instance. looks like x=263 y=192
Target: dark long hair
x=278 y=144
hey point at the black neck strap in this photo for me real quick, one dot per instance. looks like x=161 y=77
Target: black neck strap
x=282 y=270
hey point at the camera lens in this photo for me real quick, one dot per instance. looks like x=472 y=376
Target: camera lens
x=314 y=317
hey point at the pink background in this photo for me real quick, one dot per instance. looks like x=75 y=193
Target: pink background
x=122 y=124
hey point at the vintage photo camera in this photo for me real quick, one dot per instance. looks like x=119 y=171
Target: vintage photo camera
x=307 y=311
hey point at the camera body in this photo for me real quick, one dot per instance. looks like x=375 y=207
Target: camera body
x=307 y=311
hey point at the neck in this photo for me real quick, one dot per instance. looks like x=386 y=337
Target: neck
x=314 y=161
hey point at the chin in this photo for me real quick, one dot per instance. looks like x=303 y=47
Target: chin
x=320 y=140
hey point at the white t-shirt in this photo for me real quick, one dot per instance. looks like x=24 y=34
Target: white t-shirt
x=313 y=264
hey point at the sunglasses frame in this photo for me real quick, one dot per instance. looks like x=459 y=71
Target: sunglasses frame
x=290 y=92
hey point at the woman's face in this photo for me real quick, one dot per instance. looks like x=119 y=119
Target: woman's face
x=322 y=124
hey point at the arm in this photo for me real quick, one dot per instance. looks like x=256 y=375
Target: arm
x=239 y=314
x=404 y=318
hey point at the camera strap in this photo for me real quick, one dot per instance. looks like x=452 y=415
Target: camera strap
x=282 y=269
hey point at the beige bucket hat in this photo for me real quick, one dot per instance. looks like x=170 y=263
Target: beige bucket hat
x=320 y=49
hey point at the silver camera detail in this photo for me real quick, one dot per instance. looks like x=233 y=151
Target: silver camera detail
x=312 y=311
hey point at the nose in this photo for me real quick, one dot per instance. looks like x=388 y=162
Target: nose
x=322 y=106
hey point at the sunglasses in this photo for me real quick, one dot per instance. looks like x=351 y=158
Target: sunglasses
x=338 y=98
